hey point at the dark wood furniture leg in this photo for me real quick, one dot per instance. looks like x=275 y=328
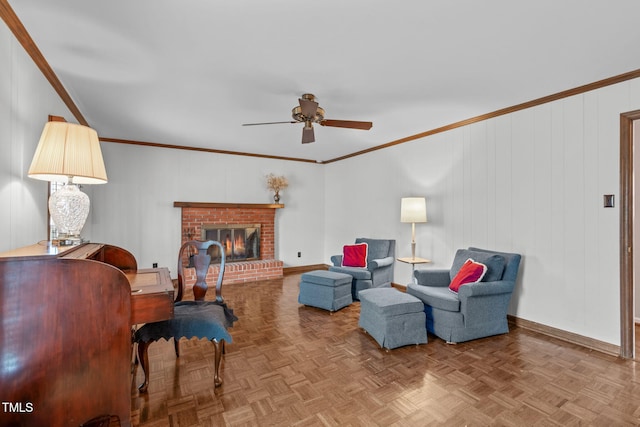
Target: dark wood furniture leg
x=219 y=348
x=143 y=358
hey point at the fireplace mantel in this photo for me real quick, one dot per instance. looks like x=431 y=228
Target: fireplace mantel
x=227 y=205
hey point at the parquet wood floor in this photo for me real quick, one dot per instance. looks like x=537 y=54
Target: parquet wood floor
x=291 y=365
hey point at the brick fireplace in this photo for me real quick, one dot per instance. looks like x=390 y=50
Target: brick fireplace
x=198 y=216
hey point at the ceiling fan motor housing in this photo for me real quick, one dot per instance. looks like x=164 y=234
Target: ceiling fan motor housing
x=298 y=116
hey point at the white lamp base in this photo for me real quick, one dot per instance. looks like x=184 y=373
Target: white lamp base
x=69 y=208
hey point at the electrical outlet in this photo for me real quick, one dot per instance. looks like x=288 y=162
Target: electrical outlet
x=299 y=254
x=155 y=265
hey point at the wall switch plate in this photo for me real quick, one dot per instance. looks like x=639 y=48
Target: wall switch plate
x=609 y=200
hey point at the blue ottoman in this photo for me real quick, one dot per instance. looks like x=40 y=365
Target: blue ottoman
x=325 y=289
x=392 y=318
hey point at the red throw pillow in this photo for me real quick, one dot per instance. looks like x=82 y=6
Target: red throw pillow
x=355 y=255
x=470 y=272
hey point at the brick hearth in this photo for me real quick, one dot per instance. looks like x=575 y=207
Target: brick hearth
x=194 y=215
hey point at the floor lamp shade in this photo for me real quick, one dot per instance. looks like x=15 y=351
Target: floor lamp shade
x=413 y=209
x=71 y=154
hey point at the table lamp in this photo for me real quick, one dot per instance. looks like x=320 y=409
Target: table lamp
x=413 y=209
x=68 y=153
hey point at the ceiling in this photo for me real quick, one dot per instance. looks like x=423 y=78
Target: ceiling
x=191 y=72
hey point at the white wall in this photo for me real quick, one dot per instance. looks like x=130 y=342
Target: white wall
x=26 y=100
x=531 y=182
x=135 y=209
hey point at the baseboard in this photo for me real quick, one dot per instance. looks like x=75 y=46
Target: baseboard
x=303 y=269
x=593 y=344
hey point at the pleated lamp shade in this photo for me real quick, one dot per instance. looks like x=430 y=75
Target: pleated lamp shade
x=68 y=150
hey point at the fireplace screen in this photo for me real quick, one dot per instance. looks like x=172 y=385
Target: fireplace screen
x=241 y=242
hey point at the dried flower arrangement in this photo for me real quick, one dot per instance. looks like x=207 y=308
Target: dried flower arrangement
x=275 y=184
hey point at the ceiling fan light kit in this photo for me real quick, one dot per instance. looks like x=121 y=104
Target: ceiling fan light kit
x=309 y=112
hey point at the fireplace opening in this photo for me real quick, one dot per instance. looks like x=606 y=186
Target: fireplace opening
x=241 y=242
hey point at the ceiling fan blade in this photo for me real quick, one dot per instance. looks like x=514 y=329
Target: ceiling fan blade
x=308 y=107
x=308 y=135
x=266 y=123
x=347 y=124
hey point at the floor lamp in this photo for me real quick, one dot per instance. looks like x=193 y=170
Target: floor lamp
x=413 y=209
x=68 y=153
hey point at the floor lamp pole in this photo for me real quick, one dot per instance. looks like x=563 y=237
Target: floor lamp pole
x=413 y=240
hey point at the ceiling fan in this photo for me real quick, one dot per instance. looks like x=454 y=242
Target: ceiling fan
x=308 y=112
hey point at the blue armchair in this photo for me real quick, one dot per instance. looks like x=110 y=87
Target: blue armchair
x=379 y=270
x=479 y=309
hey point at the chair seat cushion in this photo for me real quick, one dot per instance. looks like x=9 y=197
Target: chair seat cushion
x=355 y=272
x=191 y=319
x=435 y=296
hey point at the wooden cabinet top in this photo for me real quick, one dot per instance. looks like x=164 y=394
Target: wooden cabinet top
x=82 y=251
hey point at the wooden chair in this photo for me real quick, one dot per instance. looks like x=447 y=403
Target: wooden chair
x=192 y=319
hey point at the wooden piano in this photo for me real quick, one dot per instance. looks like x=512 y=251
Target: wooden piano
x=65 y=331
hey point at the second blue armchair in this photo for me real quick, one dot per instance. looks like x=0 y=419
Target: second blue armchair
x=478 y=309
